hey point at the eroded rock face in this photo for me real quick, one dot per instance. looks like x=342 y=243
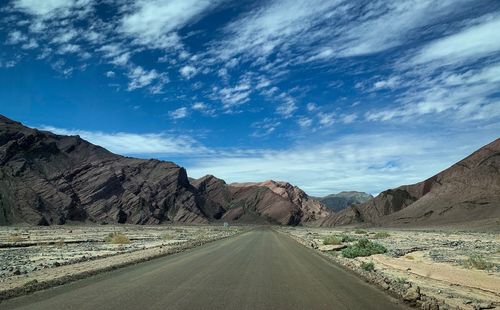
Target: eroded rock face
x=270 y=201
x=467 y=191
x=50 y=179
x=311 y=209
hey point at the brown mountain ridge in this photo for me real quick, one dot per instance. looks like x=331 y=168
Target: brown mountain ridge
x=52 y=179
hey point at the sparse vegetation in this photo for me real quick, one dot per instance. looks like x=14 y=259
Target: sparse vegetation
x=117 y=238
x=332 y=240
x=59 y=243
x=477 y=261
x=409 y=257
x=15 y=238
x=347 y=238
x=360 y=232
x=168 y=236
x=368 y=266
x=381 y=235
x=363 y=247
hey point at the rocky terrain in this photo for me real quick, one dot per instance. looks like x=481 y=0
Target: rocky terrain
x=468 y=193
x=271 y=201
x=432 y=269
x=43 y=255
x=51 y=179
x=342 y=200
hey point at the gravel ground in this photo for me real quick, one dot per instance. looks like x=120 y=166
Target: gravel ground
x=437 y=262
x=42 y=253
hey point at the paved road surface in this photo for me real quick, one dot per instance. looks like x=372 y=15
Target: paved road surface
x=261 y=269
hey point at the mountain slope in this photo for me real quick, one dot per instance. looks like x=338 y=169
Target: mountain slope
x=342 y=200
x=277 y=202
x=51 y=179
x=467 y=191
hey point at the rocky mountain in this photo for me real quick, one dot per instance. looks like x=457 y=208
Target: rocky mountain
x=465 y=192
x=342 y=200
x=277 y=202
x=51 y=179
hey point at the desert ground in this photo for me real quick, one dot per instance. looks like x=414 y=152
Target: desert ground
x=452 y=269
x=37 y=257
x=257 y=269
x=427 y=269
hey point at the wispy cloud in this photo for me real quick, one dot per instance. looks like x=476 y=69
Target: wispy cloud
x=472 y=43
x=369 y=162
x=159 y=144
x=179 y=113
x=154 y=23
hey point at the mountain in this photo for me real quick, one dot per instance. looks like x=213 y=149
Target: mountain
x=277 y=202
x=342 y=200
x=51 y=179
x=468 y=191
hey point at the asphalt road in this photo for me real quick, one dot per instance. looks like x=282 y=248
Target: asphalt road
x=261 y=269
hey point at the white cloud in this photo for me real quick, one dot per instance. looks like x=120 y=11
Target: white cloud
x=32 y=44
x=391 y=83
x=16 y=37
x=326 y=119
x=349 y=118
x=265 y=127
x=234 y=96
x=153 y=23
x=68 y=48
x=311 y=106
x=179 y=113
x=304 y=122
x=188 y=71
x=140 y=78
x=132 y=144
x=370 y=162
x=48 y=8
x=459 y=96
x=471 y=43
x=288 y=107
x=110 y=74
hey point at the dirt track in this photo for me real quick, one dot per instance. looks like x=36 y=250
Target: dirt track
x=261 y=269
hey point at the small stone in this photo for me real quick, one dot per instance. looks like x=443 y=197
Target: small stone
x=412 y=294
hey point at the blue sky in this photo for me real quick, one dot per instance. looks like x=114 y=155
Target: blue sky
x=328 y=95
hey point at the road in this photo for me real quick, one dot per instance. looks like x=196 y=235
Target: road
x=260 y=269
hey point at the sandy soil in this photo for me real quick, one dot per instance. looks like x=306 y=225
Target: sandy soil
x=38 y=257
x=435 y=261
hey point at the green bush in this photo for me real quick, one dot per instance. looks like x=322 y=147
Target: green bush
x=477 y=261
x=347 y=238
x=363 y=247
x=117 y=238
x=368 y=266
x=360 y=232
x=332 y=240
x=381 y=235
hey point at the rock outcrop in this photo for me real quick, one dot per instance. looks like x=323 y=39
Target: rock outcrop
x=276 y=202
